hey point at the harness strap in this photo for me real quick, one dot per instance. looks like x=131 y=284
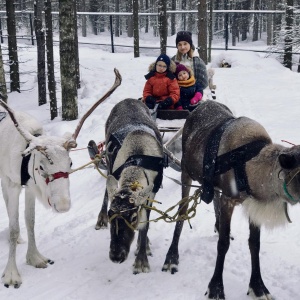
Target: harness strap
x=210 y=155
x=24 y=166
x=237 y=159
x=24 y=169
x=153 y=163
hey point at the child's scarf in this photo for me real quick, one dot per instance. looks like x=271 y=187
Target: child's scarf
x=186 y=83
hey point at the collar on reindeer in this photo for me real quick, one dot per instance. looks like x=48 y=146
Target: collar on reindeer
x=153 y=163
x=57 y=175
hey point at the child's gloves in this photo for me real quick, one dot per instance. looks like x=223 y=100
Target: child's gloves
x=165 y=103
x=179 y=108
x=196 y=98
x=150 y=101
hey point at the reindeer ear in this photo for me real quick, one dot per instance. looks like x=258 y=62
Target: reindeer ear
x=144 y=194
x=111 y=186
x=287 y=161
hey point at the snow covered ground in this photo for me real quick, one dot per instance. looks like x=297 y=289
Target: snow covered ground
x=257 y=87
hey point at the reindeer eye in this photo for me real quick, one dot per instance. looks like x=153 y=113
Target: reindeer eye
x=41 y=168
x=71 y=164
x=131 y=200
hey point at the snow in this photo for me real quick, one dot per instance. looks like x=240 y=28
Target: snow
x=256 y=87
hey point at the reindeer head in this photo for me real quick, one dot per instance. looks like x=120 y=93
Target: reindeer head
x=125 y=213
x=289 y=173
x=50 y=163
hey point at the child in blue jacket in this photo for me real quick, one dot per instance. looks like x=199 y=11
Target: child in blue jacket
x=191 y=91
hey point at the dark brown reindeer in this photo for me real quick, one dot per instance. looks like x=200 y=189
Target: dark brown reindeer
x=134 y=156
x=237 y=157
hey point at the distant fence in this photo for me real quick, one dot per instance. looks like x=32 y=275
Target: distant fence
x=112 y=45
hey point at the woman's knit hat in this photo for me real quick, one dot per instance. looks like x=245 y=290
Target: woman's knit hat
x=165 y=58
x=180 y=68
x=184 y=36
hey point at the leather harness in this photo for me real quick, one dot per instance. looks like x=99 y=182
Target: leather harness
x=148 y=162
x=235 y=159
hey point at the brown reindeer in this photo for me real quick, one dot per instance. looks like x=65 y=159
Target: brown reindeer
x=237 y=157
x=135 y=161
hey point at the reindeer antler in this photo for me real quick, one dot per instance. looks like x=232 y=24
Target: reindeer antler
x=26 y=135
x=117 y=83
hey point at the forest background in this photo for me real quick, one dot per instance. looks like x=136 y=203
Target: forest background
x=40 y=21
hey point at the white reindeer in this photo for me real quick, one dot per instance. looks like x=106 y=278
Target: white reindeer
x=40 y=163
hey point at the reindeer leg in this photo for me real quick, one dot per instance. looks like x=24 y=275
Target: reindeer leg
x=141 y=264
x=11 y=274
x=33 y=256
x=216 y=202
x=172 y=257
x=102 y=217
x=148 y=249
x=215 y=287
x=257 y=288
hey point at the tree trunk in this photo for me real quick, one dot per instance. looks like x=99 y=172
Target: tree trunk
x=50 y=60
x=288 y=40
x=210 y=30
x=76 y=46
x=202 y=30
x=41 y=55
x=129 y=20
x=94 y=19
x=269 y=23
x=235 y=29
x=245 y=20
x=12 y=47
x=183 y=7
x=162 y=25
x=135 y=9
x=83 y=19
x=147 y=17
x=3 y=90
x=117 y=18
x=255 y=22
x=173 y=18
x=68 y=60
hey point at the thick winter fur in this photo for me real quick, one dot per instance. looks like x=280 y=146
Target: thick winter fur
x=268 y=173
x=141 y=137
x=55 y=193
